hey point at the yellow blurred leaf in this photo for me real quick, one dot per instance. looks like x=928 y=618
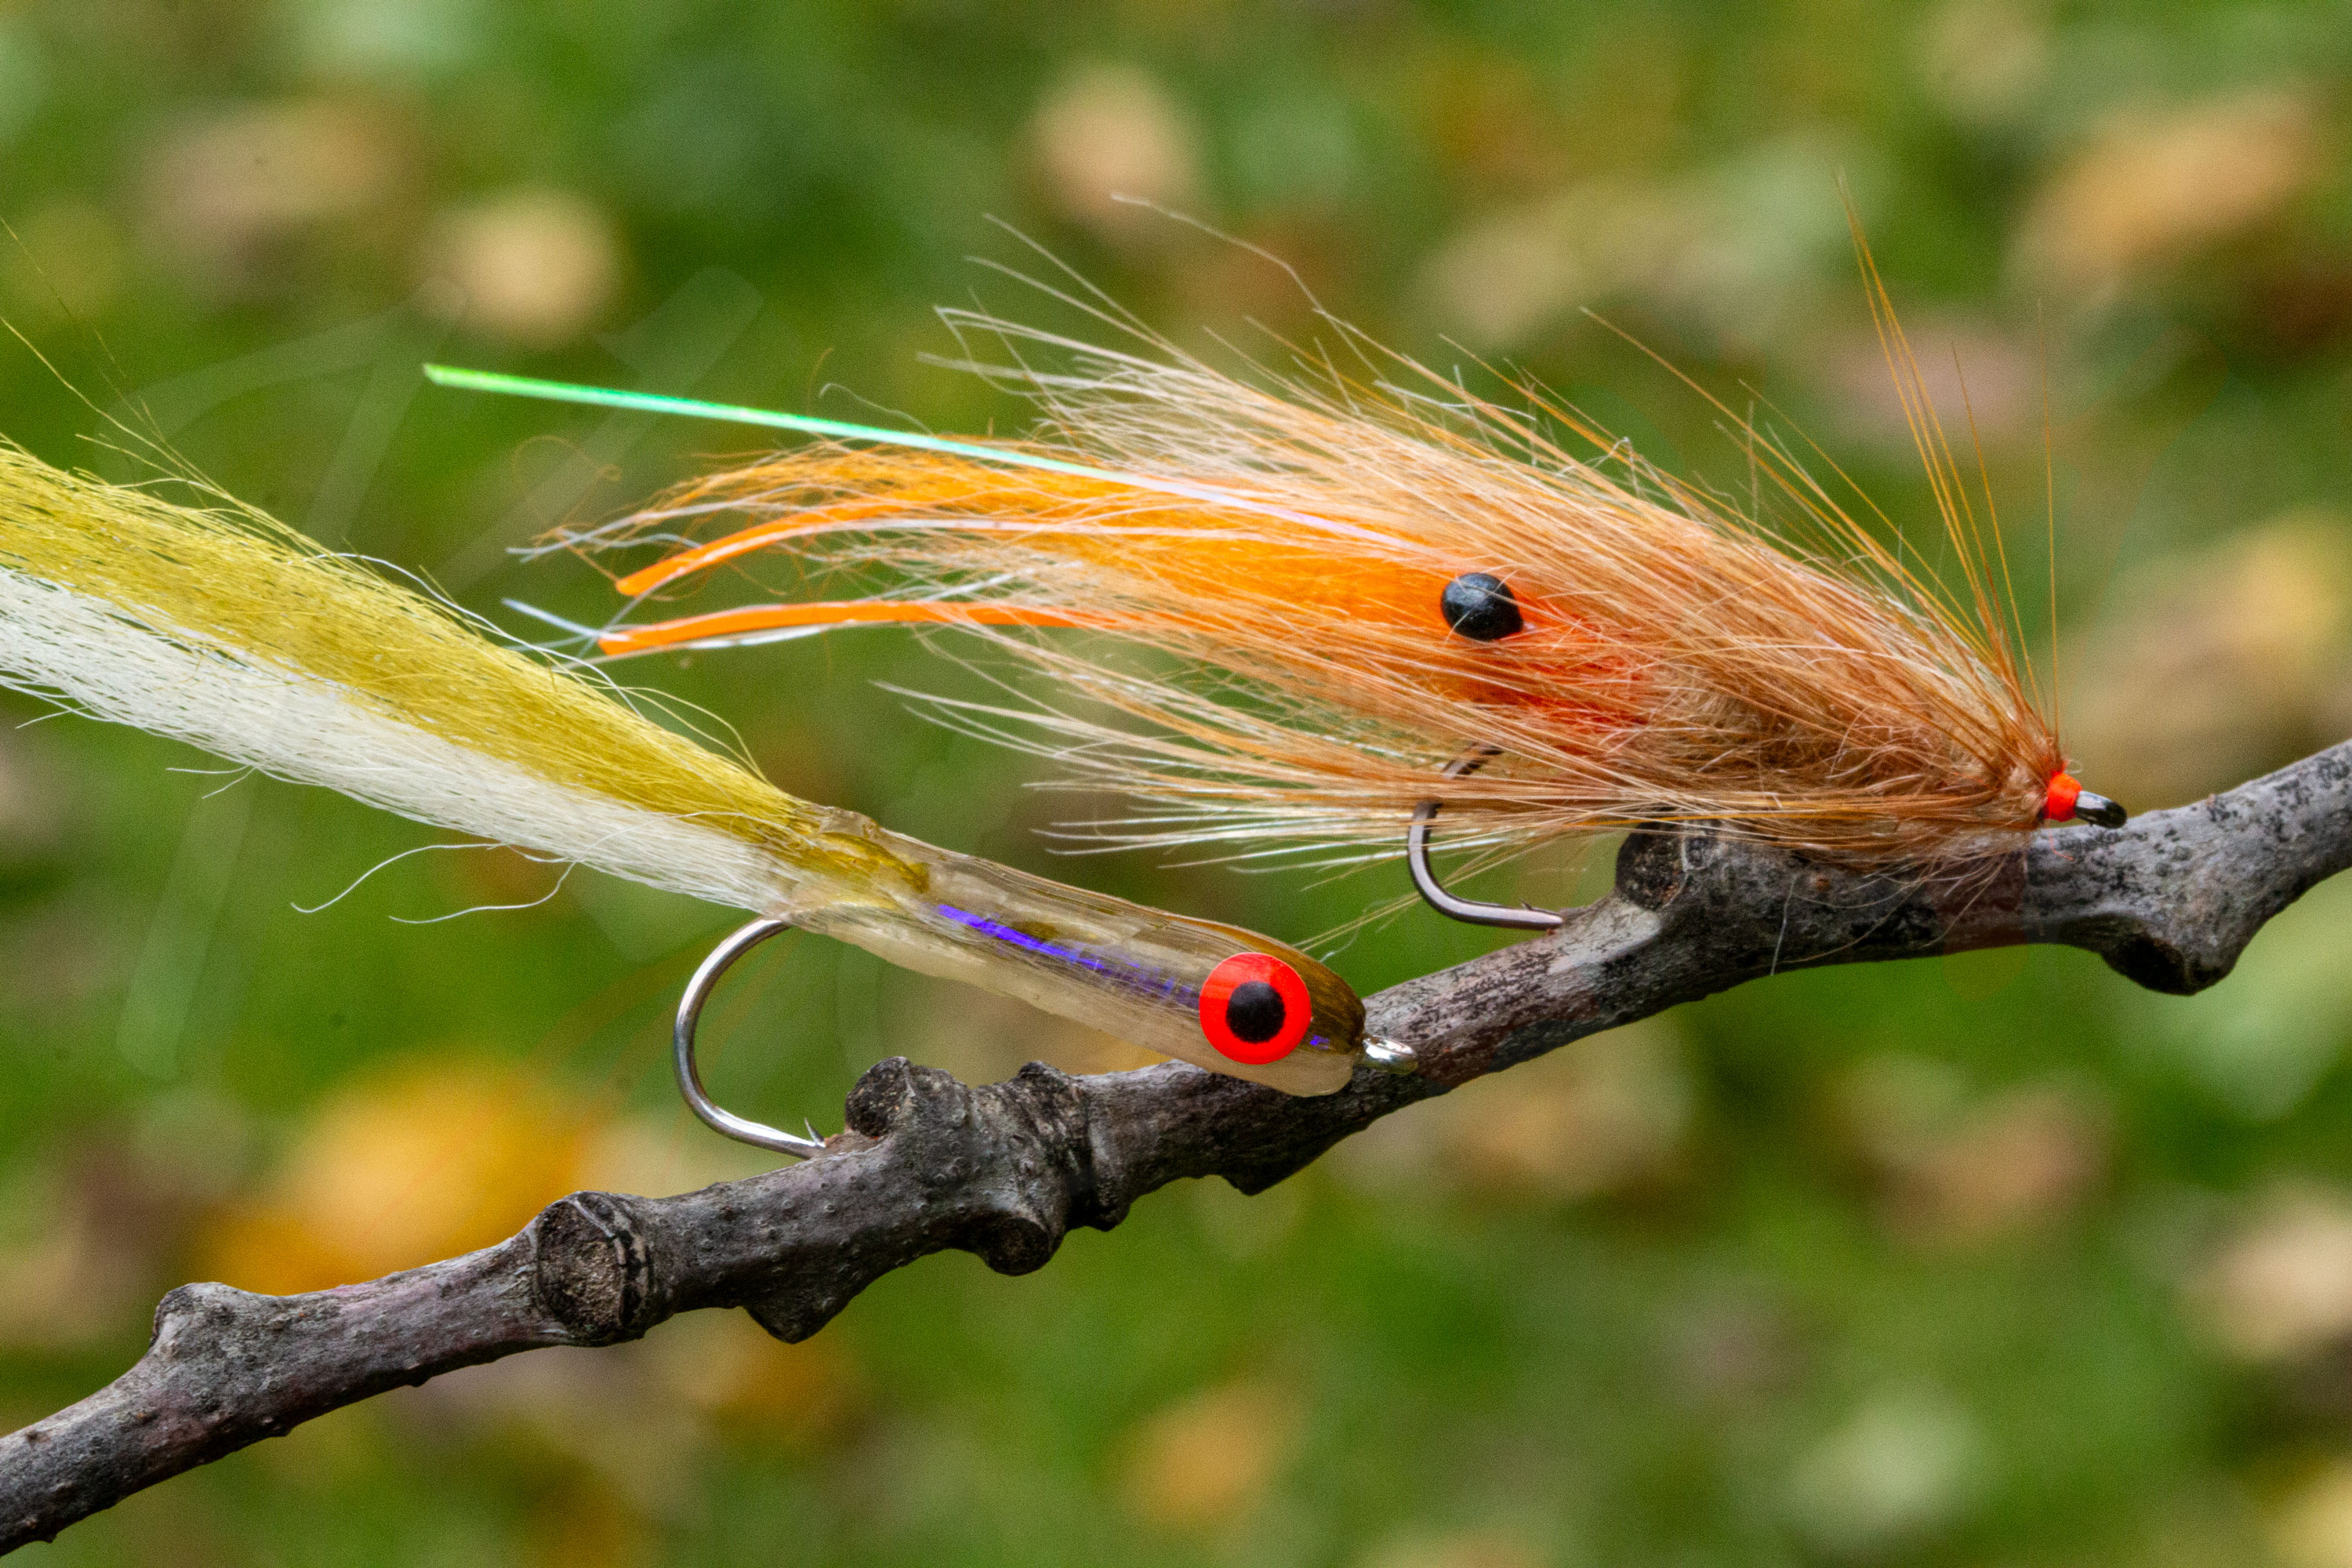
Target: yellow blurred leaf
x=2215 y=663
x=2281 y=1284
x=1596 y=1115
x=539 y=266
x=726 y=1365
x=2158 y=185
x=221 y=187
x=1957 y=1169
x=1211 y=1458
x=1108 y=131
x=421 y=1160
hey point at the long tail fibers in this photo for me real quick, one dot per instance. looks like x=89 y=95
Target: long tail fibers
x=219 y=626
x=1363 y=578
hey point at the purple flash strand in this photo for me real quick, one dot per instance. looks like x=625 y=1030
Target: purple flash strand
x=1125 y=974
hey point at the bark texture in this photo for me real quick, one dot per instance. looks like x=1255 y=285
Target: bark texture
x=1006 y=1170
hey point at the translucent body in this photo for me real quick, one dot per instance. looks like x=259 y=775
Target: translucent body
x=1131 y=971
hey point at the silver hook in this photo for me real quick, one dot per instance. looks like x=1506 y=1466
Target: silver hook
x=1519 y=917
x=689 y=1078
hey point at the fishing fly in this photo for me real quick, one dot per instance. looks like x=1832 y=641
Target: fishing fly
x=1373 y=599
x=217 y=625
x=1384 y=597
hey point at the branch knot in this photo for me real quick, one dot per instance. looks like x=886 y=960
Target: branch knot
x=1011 y=1161
x=593 y=1270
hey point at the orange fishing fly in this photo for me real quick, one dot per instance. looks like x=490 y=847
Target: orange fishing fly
x=1387 y=595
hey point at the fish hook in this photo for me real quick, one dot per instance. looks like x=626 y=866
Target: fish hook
x=689 y=1078
x=1522 y=917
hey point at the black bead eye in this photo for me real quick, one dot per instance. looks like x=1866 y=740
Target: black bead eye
x=1479 y=605
x=1255 y=1012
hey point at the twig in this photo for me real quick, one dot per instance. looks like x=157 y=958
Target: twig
x=1006 y=1171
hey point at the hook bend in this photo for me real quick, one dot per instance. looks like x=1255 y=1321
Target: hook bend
x=1515 y=917
x=689 y=1078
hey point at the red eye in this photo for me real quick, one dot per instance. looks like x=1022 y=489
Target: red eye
x=1253 y=1008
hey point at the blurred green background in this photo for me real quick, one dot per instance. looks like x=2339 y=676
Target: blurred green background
x=1990 y=1261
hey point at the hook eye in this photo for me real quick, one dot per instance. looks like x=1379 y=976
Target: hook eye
x=689 y=1078
x=2099 y=811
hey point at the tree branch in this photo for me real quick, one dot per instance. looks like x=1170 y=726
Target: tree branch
x=1006 y=1171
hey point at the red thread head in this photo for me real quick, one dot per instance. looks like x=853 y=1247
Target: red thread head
x=2059 y=806
x=1255 y=1008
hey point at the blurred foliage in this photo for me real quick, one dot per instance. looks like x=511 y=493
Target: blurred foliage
x=1986 y=1261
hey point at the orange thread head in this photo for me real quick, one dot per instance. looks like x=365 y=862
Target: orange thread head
x=2065 y=791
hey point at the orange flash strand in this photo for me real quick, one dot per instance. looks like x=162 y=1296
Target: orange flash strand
x=860 y=611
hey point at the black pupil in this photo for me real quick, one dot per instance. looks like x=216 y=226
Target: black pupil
x=1479 y=605
x=1255 y=1012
